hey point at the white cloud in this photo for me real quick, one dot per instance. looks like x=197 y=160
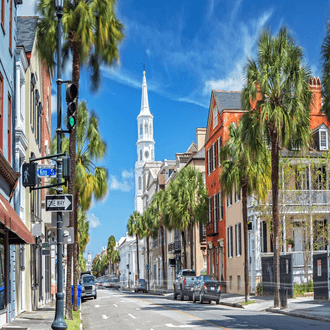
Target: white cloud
x=125 y=184
x=93 y=220
x=53 y=99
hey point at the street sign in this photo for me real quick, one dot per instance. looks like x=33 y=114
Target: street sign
x=45 y=252
x=62 y=203
x=47 y=171
x=45 y=245
x=65 y=219
x=68 y=235
x=29 y=174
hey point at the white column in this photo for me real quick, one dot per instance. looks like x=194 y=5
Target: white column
x=22 y=113
x=18 y=96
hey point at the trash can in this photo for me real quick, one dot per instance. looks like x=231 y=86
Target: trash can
x=78 y=293
x=284 y=298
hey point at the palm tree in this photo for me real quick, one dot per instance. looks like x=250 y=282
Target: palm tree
x=278 y=97
x=111 y=248
x=325 y=59
x=92 y=35
x=159 y=203
x=187 y=204
x=83 y=237
x=246 y=170
x=150 y=230
x=134 y=228
x=90 y=180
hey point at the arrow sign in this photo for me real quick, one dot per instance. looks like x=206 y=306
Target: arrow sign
x=47 y=171
x=62 y=203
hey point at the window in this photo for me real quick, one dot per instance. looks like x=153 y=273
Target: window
x=146 y=128
x=219 y=150
x=208 y=161
x=213 y=157
x=140 y=183
x=9 y=129
x=220 y=206
x=150 y=131
x=141 y=129
x=1 y=113
x=237 y=195
x=323 y=136
x=229 y=200
x=11 y=27
x=230 y=283
x=215 y=214
x=263 y=236
x=3 y=14
x=230 y=241
x=152 y=154
x=215 y=117
x=320 y=231
x=216 y=154
x=210 y=209
x=140 y=154
x=238 y=283
x=238 y=238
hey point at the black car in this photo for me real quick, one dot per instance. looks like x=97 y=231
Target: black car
x=207 y=288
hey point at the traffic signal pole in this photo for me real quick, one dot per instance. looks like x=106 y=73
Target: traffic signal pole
x=59 y=322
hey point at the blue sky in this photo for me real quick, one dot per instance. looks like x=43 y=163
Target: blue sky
x=189 y=48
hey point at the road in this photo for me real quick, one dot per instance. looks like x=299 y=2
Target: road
x=118 y=310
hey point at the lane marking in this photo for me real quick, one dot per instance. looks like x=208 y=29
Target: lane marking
x=105 y=317
x=115 y=305
x=180 y=326
x=131 y=316
x=174 y=310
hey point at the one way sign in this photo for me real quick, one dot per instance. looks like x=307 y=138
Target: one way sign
x=59 y=203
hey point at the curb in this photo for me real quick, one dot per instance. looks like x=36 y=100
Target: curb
x=238 y=305
x=301 y=315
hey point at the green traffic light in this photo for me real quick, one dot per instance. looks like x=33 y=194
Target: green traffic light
x=72 y=121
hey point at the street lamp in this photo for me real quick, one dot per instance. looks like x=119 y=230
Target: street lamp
x=59 y=322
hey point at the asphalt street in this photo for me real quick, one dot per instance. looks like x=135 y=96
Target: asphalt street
x=118 y=310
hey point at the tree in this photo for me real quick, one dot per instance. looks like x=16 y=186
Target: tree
x=90 y=180
x=325 y=61
x=92 y=35
x=187 y=204
x=278 y=97
x=111 y=249
x=159 y=203
x=248 y=171
x=134 y=228
x=149 y=229
x=83 y=237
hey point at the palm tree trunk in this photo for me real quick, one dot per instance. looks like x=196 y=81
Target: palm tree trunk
x=191 y=232
x=148 y=270
x=184 y=249
x=72 y=153
x=163 y=256
x=137 y=256
x=245 y=233
x=276 y=217
x=68 y=305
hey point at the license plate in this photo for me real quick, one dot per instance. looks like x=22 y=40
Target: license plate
x=212 y=288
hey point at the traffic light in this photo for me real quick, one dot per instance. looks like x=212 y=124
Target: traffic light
x=71 y=94
x=66 y=167
x=29 y=174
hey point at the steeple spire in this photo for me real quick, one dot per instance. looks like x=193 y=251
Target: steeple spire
x=144 y=100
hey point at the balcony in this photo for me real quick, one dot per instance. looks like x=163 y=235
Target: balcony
x=177 y=245
x=170 y=247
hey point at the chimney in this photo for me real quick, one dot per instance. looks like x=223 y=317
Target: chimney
x=315 y=87
x=200 y=136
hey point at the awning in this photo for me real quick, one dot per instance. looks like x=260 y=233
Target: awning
x=18 y=232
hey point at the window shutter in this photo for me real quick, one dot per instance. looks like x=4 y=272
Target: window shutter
x=265 y=235
x=323 y=139
x=236 y=239
x=216 y=154
x=231 y=240
x=228 y=235
x=240 y=238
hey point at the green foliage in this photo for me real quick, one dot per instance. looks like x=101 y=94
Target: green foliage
x=300 y=289
x=75 y=323
x=325 y=60
x=91 y=32
x=244 y=303
x=260 y=289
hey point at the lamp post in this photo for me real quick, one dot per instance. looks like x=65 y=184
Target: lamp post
x=59 y=322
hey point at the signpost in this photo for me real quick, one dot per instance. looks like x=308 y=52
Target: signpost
x=62 y=203
x=47 y=171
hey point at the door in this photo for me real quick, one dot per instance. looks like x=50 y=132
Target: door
x=11 y=284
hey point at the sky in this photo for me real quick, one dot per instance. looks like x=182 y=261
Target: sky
x=189 y=47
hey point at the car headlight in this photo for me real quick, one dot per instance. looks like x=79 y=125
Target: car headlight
x=93 y=287
x=83 y=288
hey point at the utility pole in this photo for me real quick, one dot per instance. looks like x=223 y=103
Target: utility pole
x=59 y=322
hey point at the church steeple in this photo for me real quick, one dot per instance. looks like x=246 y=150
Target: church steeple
x=144 y=100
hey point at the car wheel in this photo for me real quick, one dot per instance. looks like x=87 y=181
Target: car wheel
x=194 y=298
x=200 y=298
x=217 y=301
x=95 y=296
x=181 y=296
x=174 y=295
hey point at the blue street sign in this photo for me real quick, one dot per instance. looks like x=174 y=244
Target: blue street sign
x=47 y=171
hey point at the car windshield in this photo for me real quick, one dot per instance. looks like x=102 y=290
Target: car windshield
x=142 y=282
x=210 y=278
x=189 y=273
x=88 y=280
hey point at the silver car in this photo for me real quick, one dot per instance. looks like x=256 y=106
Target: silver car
x=141 y=285
x=88 y=289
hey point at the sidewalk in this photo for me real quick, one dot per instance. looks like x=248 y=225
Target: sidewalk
x=40 y=319
x=305 y=307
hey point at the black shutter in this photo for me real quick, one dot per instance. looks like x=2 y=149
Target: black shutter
x=240 y=238
x=231 y=239
x=228 y=238
x=264 y=224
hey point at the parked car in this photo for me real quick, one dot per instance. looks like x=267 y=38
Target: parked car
x=184 y=284
x=88 y=289
x=207 y=288
x=141 y=285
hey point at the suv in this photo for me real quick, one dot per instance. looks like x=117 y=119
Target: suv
x=88 y=287
x=184 y=284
